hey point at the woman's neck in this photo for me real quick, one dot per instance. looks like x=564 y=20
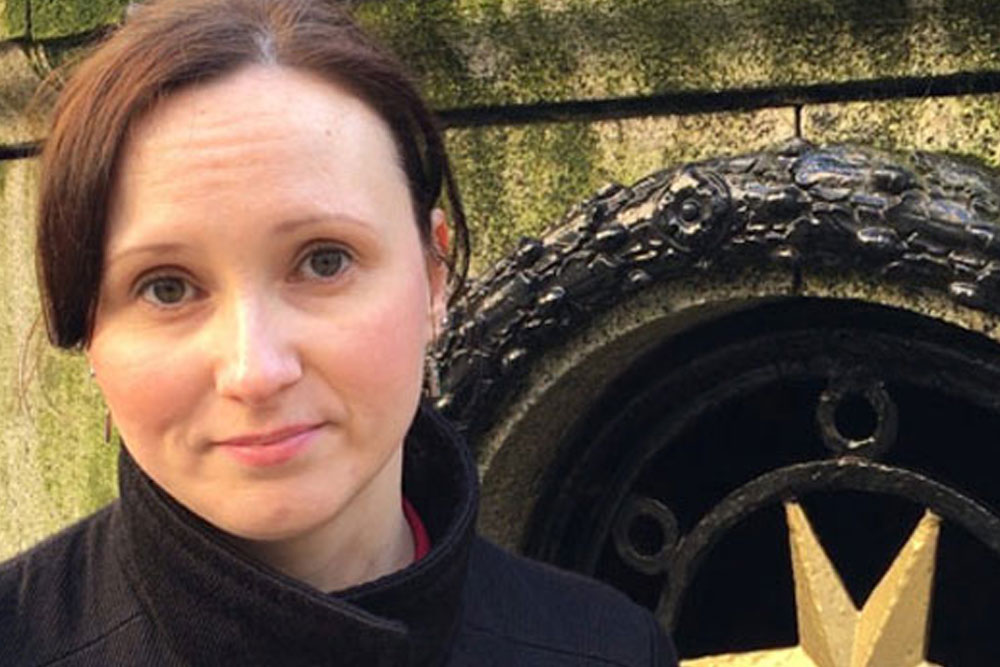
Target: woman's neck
x=368 y=539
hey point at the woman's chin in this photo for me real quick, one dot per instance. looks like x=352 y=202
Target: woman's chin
x=263 y=521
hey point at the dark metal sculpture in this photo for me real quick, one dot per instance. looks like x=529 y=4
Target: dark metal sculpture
x=633 y=495
x=921 y=220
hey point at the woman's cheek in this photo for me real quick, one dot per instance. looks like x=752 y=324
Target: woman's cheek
x=381 y=349
x=150 y=389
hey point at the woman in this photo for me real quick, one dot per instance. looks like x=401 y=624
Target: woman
x=239 y=227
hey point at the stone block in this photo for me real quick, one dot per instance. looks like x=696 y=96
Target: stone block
x=54 y=19
x=966 y=125
x=20 y=121
x=485 y=52
x=54 y=465
x=13 y=19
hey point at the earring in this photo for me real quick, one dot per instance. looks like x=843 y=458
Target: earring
x=107 y=427
x=92 y=373
x=432 y=376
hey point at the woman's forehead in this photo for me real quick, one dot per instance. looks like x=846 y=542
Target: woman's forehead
x=263 y=137
x=260 y=104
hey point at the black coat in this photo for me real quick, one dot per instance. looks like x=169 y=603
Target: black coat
x=145 y=582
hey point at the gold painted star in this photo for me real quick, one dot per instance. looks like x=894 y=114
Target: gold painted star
x=890 y=630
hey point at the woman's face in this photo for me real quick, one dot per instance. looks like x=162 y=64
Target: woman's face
x=266 y=302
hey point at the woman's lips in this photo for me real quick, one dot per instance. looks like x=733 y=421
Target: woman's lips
x=270 y=449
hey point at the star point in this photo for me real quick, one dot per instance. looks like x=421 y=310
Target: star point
x=891 y=627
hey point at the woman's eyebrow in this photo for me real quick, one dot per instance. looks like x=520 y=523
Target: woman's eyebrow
x=144 y=249
x=294 y=224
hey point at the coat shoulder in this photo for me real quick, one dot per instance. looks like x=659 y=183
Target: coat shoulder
x=62 y=595
x=520 y=605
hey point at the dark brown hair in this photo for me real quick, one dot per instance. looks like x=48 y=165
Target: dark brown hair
x=166 y=45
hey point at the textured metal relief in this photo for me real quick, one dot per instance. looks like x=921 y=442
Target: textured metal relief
x=921 y=220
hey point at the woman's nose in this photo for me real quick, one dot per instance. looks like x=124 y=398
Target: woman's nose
x=256 y=352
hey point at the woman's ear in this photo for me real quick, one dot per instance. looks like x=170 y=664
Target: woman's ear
x=437 y=268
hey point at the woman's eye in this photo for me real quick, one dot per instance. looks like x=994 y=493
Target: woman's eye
x=166 y=291
x=324 y=262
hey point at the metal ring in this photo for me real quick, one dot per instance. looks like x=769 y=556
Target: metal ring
x=887 y=416
x=646 y=508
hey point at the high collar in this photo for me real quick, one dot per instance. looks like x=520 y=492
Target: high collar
x=215 y=606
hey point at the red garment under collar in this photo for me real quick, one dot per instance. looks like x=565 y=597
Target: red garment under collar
x=421 y=541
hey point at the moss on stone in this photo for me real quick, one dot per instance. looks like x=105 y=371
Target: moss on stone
x=425 y=28
x=524 y=51
x=78 y=469
x=518 y=181
x=53 y=19
x=966 y=125
x=13 y=19
x=54 y=466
